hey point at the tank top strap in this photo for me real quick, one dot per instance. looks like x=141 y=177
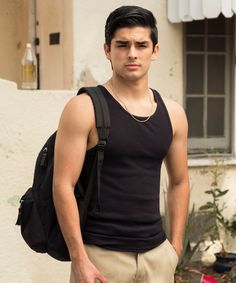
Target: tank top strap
x=162 y=104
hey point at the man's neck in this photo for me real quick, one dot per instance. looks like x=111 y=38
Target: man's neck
x=128 y=89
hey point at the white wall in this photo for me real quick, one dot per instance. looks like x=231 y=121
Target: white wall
x=27 y=118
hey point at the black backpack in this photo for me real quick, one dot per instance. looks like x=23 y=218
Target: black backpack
x=37 y=216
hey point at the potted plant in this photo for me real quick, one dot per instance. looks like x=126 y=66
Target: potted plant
x=220 y=224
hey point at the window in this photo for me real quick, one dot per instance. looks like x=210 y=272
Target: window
x=209 y=59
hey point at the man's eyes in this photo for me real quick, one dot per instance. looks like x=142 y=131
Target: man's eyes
x=142 y=45
x=122 y=45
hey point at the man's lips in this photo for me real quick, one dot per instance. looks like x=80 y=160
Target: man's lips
x=132 y=66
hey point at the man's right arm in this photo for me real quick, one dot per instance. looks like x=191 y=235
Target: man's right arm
x=76 y=124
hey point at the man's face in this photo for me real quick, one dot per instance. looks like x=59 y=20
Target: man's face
x=131 y=52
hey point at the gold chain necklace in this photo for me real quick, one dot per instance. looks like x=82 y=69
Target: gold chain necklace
x=136 y=119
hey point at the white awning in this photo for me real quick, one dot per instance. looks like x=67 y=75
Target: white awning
x=189 y=10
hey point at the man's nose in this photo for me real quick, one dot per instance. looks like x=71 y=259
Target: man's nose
x=132 y=53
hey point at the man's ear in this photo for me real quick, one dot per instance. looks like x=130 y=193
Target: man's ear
x=107 y=51
x=155 y=52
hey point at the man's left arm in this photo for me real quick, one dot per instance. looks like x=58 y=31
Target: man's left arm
x=177 y=168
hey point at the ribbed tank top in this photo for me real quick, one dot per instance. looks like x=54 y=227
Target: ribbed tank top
x=129 y=217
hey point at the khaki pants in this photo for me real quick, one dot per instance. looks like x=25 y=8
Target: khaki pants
x=154 y=266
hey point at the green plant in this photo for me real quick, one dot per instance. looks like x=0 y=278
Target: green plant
x=188 y=251
x=216 y=207
x=233 y=225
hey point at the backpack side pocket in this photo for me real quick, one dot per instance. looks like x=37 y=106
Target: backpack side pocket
x=31 y=225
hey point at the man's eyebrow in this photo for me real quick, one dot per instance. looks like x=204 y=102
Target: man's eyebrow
x=126 y=41
x=142 y=42
x=121 y=41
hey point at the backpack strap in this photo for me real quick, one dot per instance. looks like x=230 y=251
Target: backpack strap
x=103 y=123
x=102 y=114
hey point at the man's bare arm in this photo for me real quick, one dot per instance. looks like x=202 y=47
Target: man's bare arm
x=177 y=168
x=73 y=136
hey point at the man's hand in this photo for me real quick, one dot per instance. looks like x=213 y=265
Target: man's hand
x=85 y=272
x=178 y=247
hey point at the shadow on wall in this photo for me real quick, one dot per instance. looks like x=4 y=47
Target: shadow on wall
x=87 y=79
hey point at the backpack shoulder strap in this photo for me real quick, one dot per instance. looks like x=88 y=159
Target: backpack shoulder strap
x=102 y=114
x=103 y=123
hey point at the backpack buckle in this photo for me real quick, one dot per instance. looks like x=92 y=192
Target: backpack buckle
x=101 y=145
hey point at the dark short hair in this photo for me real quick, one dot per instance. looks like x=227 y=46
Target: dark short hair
x=130 y=16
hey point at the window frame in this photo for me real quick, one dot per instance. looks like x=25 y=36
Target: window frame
x=208 y=145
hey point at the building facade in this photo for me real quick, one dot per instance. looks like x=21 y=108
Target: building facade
x=195 y=67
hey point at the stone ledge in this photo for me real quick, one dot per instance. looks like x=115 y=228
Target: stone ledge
x=6 y=85
x=208 y=161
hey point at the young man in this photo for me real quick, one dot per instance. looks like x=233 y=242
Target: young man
x=124 y=242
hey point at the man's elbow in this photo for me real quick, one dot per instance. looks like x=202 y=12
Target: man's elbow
x=180 y=183
x=60 y=190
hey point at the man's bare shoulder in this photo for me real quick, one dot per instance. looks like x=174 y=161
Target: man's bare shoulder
x=80 y=102
x=176 y=113
x=78 y=113
x=172 y=105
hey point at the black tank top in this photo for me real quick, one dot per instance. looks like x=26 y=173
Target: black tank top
x=129 y=218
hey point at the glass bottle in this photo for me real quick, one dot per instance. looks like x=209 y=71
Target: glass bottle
x=29 y=68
